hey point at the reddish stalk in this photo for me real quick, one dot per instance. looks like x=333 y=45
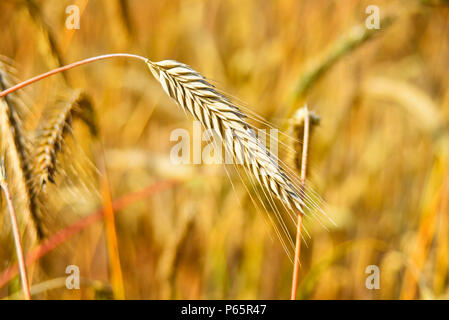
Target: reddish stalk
x=16 y=234
x=305 y=147
x=111 y=233
x=67 y=67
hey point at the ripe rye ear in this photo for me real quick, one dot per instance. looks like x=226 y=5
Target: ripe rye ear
x=216 y=112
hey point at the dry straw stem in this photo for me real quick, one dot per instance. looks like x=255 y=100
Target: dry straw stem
x=111 y=233
x=57 y=283
x=15 y=232
x=303 y=121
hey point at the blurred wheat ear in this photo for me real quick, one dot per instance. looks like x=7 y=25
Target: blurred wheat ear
x=33 y=160
x=54 y=128
x=18 y=147
x=303 y=122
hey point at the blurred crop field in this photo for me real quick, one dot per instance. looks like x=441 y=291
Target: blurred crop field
x=379 y=157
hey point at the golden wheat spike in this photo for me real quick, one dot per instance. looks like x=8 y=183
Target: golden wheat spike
x=216 y=112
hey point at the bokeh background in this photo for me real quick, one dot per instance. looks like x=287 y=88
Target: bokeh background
x=379 y=157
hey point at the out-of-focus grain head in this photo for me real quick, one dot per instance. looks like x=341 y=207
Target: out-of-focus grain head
x=16 y=142
x=54 y=128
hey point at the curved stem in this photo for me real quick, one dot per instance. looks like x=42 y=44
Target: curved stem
x=67 y=67
x=296 y=265
x=16 y=235
x=295 y=278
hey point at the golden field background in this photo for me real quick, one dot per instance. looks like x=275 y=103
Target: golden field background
x=379 y=157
